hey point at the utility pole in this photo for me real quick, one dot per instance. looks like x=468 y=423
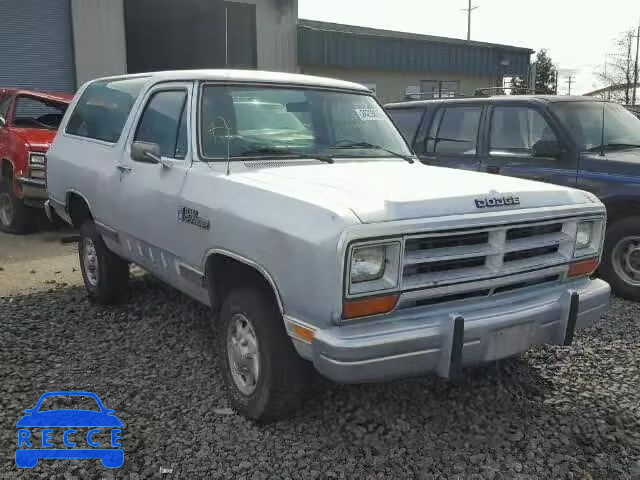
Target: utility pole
x=635 y=68
x=628 y=73
x=570 y=81
x=469 y=10
x=555 y=85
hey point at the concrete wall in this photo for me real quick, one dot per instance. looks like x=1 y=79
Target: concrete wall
x=98 y=37
x=392 y=85
x=276 y=32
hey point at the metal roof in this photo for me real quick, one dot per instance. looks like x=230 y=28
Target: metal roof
x=350 y=46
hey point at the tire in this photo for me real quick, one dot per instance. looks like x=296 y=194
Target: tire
x=284 y=378
x=105 y=274
x=620 y=235
x=15 y=216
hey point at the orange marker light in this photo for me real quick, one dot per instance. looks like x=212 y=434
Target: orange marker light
x=586 y=267
x=369 y=306
x=302 y=333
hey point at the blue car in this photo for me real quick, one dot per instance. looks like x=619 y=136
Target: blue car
x=69 y=418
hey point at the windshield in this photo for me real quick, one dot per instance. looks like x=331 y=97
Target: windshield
x=271 y=121
x=584 y=121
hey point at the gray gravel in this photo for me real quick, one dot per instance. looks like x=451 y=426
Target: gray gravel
x=555 y=413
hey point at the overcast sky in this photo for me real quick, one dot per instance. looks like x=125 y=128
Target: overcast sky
x=578 y=34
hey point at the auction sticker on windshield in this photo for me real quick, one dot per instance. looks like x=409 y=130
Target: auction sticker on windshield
x=69 y=425
x=369 y=114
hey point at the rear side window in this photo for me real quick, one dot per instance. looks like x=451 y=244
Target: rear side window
x=164 y=123
x=455 y=131
x=407 y=120
x=104 y=108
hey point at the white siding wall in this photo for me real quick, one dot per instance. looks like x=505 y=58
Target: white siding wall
x=99 y=39
x=276 y=33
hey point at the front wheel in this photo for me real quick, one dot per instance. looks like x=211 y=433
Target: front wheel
x=15 y=216
x=264 y=377
x=105 y=274
x=621 y=259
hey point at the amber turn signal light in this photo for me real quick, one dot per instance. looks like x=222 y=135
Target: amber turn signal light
x=303 y=333
x=369 y=306
x=586 y=267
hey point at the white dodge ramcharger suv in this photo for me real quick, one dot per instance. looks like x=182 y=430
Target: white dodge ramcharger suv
x=293 y=207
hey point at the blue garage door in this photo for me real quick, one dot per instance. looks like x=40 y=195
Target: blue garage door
x=36 y=47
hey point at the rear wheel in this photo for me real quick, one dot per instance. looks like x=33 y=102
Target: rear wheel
x=105 y=274
x=15 y=216
x=264 y=377
x=621 y=260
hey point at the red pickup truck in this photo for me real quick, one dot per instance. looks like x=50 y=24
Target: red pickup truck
x=29 y=121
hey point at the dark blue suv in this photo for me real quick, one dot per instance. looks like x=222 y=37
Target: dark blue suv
x=579 y=142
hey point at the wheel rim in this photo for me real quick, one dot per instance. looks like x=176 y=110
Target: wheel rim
x=626 y=260
x=243 y=353
x=6 y=210
x=90 y=262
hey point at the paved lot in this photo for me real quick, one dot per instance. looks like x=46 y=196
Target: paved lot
x=561 y=413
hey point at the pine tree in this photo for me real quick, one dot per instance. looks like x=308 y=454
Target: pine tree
x=545 y=73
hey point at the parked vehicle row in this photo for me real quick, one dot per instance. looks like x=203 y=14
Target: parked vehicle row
x=28 y=123
x=578 y=142
x=293 y=207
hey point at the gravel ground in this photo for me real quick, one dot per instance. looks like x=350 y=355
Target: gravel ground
x=555 y=413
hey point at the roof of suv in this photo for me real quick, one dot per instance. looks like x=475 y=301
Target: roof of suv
x=496 y=99
x=247 y=76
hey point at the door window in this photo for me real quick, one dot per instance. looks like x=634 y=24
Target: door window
x=103 y=109
x=407 y=120
x=455 y=131
x=163 y=122
x=518 y=129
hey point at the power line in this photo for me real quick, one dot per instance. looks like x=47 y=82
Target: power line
x=469 y=10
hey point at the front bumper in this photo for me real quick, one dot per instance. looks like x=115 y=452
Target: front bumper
x=473 y=333
x=32 y=188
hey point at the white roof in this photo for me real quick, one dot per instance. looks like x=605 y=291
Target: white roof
x=252 y=76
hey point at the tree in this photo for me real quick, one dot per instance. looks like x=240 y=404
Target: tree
x=545 y=73
x=617 y=72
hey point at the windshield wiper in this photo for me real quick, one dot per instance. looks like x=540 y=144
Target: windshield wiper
x=283 y=151
x=345 y=146
x=614 y=146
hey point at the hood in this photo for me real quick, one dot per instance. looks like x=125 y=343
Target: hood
x=69 y=418
x=387 y=190
x=38 y=139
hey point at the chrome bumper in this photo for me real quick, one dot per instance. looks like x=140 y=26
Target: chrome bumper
x=473 y=333
x=33 y=188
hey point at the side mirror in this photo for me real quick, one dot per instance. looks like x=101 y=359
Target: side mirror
x=145 y=152
x=29 y=410
x=3 y=122
x=547 y=149
x=109 y=411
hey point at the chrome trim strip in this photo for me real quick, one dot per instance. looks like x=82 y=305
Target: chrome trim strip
x=31 y=182
x=191 y=274
x=252 y=264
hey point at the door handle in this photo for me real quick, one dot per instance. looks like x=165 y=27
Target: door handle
x=493 y=169
x=124 y=168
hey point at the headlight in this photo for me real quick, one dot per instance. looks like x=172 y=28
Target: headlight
x=37 y=159
x=374 y=267
x=584 y=235
x=589 y=235
x=367 y=263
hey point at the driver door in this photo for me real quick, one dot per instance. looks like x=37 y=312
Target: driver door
x=147 y=195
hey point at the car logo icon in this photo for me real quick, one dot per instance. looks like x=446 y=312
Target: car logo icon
x=83 y=432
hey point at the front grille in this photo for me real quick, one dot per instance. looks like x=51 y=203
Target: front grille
x=447 y=258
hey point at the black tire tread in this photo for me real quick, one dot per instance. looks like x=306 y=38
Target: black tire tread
x=616 y=231
x=113 y=284
x=290 y=375
x=24 y=218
